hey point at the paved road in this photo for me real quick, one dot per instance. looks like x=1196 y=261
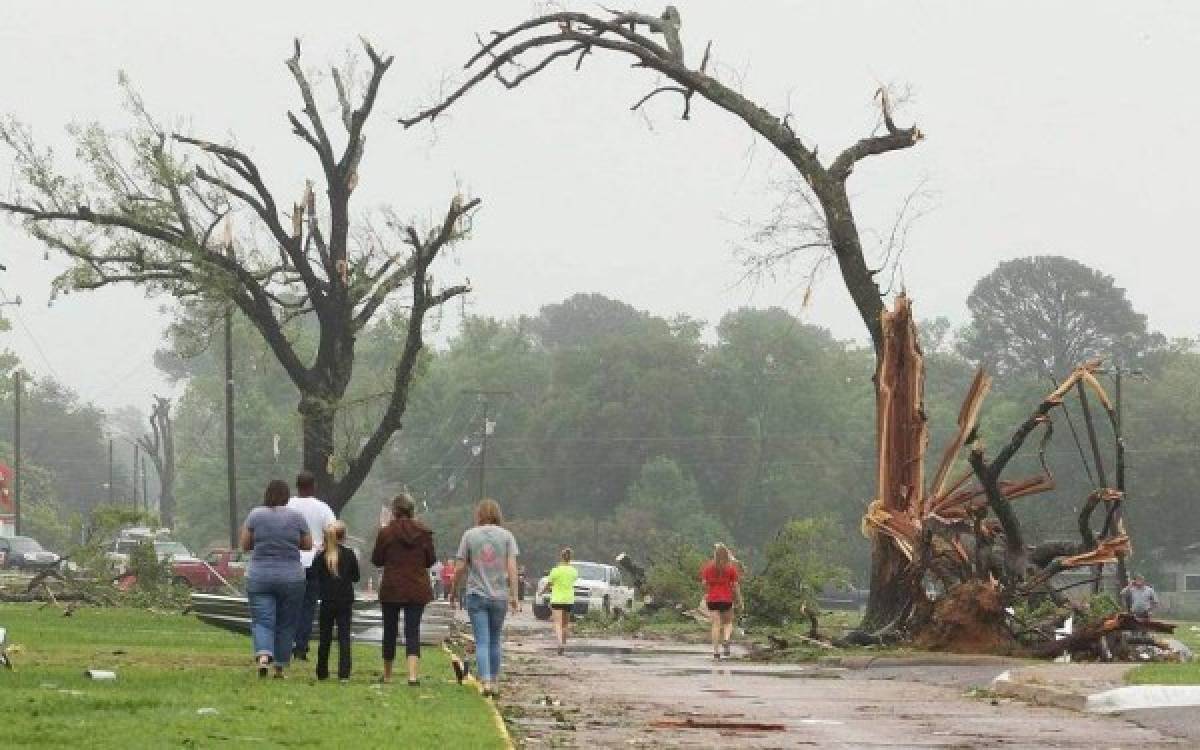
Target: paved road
x=615 y=693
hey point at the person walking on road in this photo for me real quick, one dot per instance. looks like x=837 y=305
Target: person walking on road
x=1141 y=597
x=447 y=575
x=561 y=582
x=721 y=590
x=276 y=536
x=337 y=572
x=486 y=568
x=318 y=515
x=404 y=549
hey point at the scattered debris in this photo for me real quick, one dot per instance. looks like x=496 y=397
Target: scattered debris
x=99 y=674
x=723 y=724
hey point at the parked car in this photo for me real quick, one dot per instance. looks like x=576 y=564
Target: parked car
x=842 y=597
x=24 y=553
x=220 y=566
x=599 y=588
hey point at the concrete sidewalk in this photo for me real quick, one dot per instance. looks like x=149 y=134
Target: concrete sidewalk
x=1060 y=685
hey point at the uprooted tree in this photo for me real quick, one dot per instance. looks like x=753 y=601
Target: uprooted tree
x=961 y=530
x=149 y=211
x=514 y=55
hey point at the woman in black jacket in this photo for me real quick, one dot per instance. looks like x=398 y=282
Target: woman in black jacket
x=337 y=572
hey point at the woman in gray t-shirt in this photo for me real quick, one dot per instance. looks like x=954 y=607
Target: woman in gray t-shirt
x=487 y=566
x=275 y=581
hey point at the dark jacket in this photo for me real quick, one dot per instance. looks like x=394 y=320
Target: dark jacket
x=337 y=589
x=404 y=549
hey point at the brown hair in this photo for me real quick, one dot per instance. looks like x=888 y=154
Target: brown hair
x=565 y=555
x=306 y=483
x=403 y=506
x=488 y=512
x=276 y=494
x=722 y=557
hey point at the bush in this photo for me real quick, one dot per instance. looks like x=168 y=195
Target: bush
x=797 y=568
x=673 y=576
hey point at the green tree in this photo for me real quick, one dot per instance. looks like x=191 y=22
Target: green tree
x=671 y=502
x=148 y=211
x=797 y=565
x=1045 y=315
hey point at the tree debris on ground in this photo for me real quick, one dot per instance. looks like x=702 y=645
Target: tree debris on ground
x=960 y=535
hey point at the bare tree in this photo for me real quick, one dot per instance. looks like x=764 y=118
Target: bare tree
x=159 y=444
x=147 y=214
x=514 y=55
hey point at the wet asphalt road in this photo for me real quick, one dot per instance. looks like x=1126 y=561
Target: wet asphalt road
x=617 y=693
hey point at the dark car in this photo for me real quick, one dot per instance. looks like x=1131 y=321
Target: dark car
x=24 y=553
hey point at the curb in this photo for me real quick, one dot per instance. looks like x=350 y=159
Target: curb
x=497 y=719
x=1039 y=694
x=920 y=660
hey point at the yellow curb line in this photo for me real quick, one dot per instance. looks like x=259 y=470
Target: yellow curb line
x=501 y=726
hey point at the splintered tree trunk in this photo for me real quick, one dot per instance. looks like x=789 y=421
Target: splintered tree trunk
x=901 y=439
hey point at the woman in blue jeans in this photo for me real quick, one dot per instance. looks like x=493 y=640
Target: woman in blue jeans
x=275 y=582
x=487 y=560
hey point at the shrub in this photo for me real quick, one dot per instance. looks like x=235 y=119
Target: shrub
x=798 y=566
x=673 y=576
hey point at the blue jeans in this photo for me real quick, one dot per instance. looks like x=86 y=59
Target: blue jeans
x=274 y=607
x=487 y=624
x=308 y=610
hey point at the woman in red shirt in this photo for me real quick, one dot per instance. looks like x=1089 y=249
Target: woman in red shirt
x=721 y=590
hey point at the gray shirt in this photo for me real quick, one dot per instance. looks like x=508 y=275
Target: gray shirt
x=486 y=550
x=1142 y=599
x=276 y=556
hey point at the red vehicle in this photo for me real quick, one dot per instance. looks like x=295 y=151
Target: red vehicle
x=219 y=567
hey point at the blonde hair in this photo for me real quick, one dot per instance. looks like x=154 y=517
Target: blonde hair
x=722 y=557
x=565 y=555
x=334 y=533
x=488 y=512
x=403 y=506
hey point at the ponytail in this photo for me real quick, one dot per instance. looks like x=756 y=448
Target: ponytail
x=334 y=533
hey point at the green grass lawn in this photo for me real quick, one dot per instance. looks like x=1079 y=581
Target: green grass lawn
x=181 y=683
x=1172 y=674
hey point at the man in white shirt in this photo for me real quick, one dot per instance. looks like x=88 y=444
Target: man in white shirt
x=317 y=515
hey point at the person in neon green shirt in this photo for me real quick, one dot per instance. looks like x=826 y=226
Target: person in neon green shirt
x=561 y=582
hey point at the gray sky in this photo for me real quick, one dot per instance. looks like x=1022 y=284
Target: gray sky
x=1066 y=128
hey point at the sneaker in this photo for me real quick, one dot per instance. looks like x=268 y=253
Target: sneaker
x=344 y=680
x=562 y=650
x=716 y=656
x=725 y=649
x=414 y=683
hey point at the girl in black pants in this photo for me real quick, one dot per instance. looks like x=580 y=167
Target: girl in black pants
x=337 y=572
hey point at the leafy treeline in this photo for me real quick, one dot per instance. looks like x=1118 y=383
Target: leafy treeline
x=611 y=429
x=65 y=457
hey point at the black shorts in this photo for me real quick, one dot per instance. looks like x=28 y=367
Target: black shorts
x=719 y=606
x=563 y=607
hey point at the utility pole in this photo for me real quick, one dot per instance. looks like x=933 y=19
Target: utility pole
x=134 y=479
x=230 y=458
x=145 y=495
x=17 y=452
x=483 y=396
x=110 y=471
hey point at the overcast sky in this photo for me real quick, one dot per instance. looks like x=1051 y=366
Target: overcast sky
x=1065 y=128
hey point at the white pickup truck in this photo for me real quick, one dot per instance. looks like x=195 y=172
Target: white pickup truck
x=599 y=588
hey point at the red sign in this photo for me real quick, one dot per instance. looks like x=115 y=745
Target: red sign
x=6 y=501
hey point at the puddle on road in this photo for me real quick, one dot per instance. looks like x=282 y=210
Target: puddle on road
x=669 y=662
x=791 y=674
